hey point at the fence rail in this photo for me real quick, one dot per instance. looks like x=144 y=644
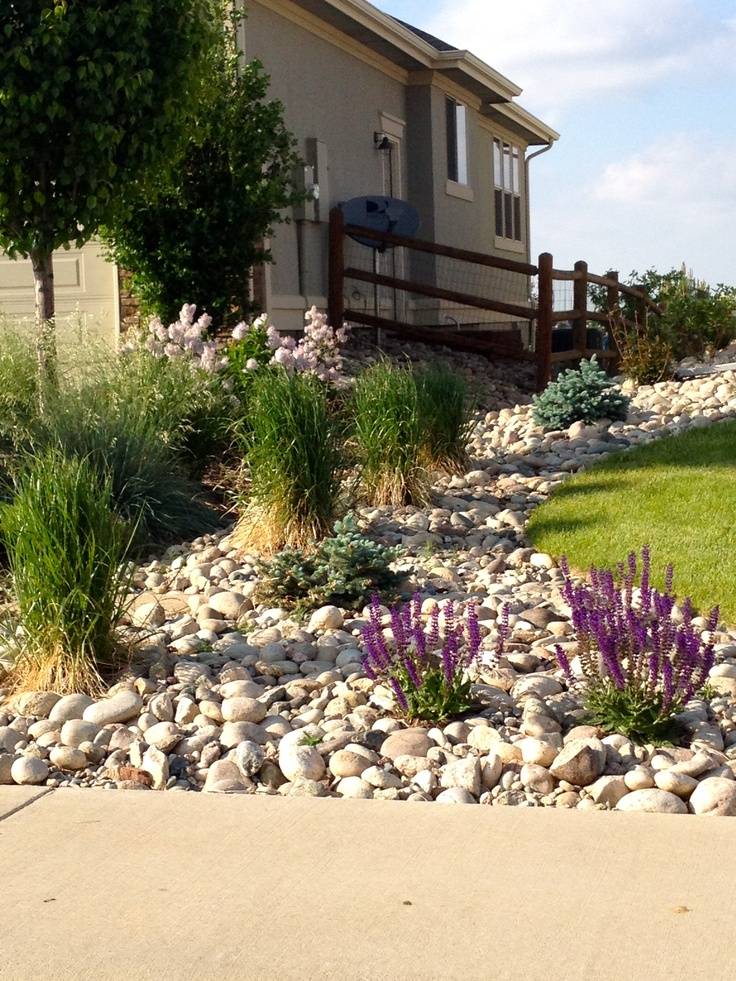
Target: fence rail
x=504 y=339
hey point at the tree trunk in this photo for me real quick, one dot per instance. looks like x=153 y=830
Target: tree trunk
x=43 y=284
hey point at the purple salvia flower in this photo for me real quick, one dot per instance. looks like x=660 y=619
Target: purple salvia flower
x=400 y=696
x=412 y=672
x=564 y=662
x=667 y=683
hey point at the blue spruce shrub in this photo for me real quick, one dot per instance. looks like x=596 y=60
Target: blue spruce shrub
x=583 y=394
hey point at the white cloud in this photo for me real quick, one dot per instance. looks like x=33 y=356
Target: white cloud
x=567 y=51
x=671 y=202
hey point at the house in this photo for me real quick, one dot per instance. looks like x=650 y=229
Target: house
x=381 y=107
x=377 y=107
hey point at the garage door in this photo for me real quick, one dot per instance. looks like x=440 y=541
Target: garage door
x=86 y=289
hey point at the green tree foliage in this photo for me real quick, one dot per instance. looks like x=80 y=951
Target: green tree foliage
x=194 y=233
x=93 y=94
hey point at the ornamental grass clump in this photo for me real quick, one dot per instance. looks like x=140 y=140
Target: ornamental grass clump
x=344 y=569
x=389 y=436
x=66 y=549
x=292 y=453
x=584 y=394
x=426 y=665
x=641 y=658
x=444 y=408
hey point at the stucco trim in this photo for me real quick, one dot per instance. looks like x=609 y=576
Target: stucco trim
x=509 y=245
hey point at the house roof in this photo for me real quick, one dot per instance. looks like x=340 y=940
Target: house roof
x=415 y=50
x=425 y=36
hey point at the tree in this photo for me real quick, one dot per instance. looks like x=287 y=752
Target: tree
x=192 y=235
x=93 y=95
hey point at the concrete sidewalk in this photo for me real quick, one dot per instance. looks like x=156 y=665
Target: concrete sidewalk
x=134 y=886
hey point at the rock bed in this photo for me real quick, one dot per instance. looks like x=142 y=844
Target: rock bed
x=235 y=697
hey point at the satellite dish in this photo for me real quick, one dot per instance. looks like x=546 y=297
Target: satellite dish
x=380 y=214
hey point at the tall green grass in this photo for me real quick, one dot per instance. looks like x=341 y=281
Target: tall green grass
x=292 y=452
x=444 y=406
x=388 y=435
x=66 y=551
x=123 y=442
x=19 y=390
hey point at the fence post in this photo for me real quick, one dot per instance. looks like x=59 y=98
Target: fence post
x=613 y=308
x=545 y=300
x=580 y=303
x=336 y=281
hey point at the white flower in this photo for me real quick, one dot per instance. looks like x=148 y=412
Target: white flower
x=251 y=364
x=240 y=330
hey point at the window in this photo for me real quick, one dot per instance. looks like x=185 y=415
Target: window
x=507 y=190
x=457 y=142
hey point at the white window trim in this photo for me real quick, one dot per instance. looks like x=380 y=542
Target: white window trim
x=462 y=148
x=462 y=191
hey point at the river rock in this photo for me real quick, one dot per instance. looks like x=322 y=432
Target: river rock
x=300 y=762
x=716 y=796
x=406 y=742
x=653 y=801
x=580 y=762
x=68 y=758
x=120 y=707
x=29 y=770
x=70 y=707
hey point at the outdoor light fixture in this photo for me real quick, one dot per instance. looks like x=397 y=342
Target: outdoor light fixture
x=381 y=142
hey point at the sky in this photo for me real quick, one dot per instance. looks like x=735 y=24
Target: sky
x=643 y=94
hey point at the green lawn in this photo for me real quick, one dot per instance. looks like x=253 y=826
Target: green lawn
x=677 y=495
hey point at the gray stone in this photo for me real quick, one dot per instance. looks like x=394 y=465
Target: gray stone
x=354 y=787
x=36 y=703
x=465 y=774
x=6 y=765
x=68 y=758
x=248 y=757
x=675 y=783
x=77 y=731
x=325 y=618
x=9 y=739
x=234 y=733
x=164 y=736
x=156 y=764
x=162 y=706
x=406 y=742
x=224 y=777
x=300 y=762
x=580 y=762
x=608 y=790
x=120 y=707
x=455 y=795
x=345 y=763
x=70 y=707
x=243 y=709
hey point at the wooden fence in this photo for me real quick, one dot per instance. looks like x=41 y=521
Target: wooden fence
x=538 y=313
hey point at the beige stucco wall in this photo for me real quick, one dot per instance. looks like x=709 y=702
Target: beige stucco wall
x=86 y=292
x=331 y=96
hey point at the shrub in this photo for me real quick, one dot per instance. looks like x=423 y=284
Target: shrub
x=583 y=394
x=445 y=415
x=345 y=569
x=66 y=549
x=640 y=663
x=292 y=454
x=197 y=228
x=389 y=437
x=427 y=669
x=644 y=356
x=696 y=317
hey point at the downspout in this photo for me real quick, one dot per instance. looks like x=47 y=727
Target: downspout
x=527 y=161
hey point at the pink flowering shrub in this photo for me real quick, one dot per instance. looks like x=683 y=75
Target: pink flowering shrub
x=186 y=338
x=317 y=353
